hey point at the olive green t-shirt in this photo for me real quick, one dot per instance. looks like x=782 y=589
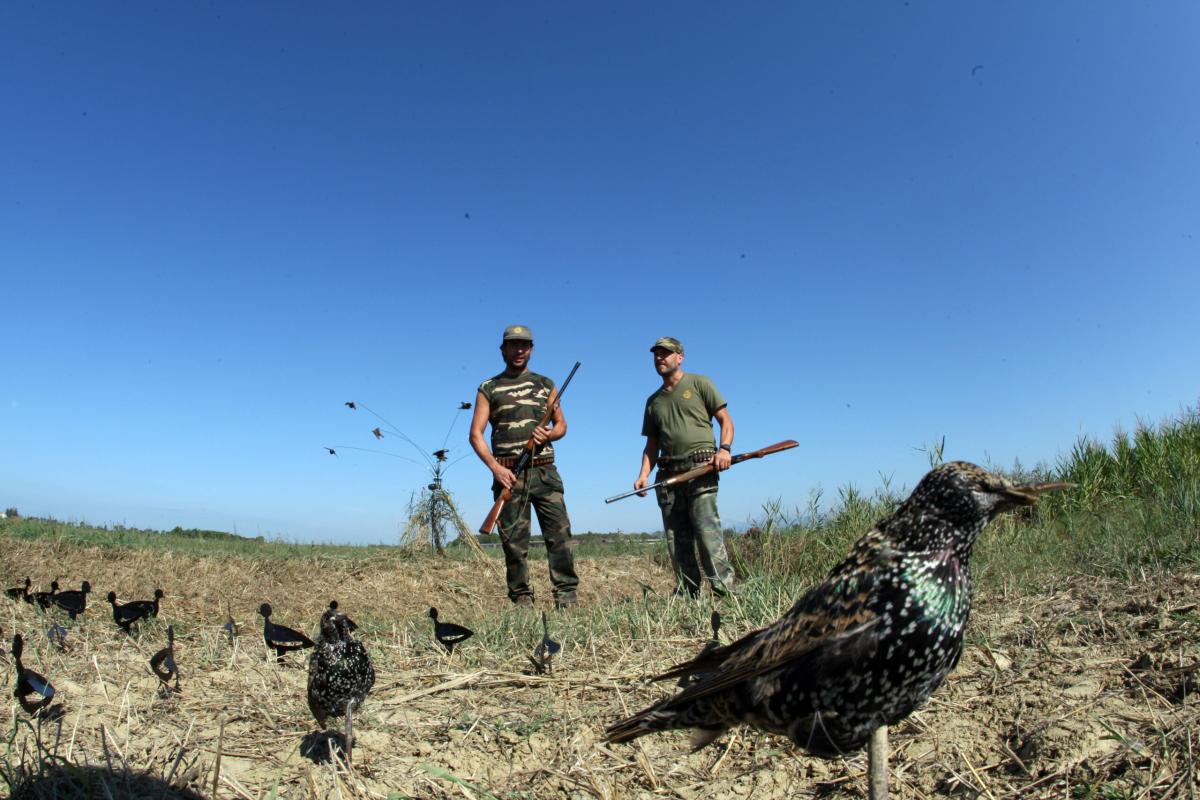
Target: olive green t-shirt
x=516 y=405
x=681 y=419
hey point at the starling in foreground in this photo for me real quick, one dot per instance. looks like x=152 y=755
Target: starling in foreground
x=448 y=633
x=74 y=602
x=135 y=610
x=29 y=683
x=339 y=672
x=864 y=648
x=163 y=663
x=281 y=638
x=20 y=592
x=333 y=606
x=547 y=648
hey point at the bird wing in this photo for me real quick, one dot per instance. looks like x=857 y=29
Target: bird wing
x=830 y=626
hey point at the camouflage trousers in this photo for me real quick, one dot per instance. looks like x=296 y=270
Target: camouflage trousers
x=691 y=523
x=541 y=488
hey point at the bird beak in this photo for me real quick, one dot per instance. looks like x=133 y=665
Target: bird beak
x=1028 y=495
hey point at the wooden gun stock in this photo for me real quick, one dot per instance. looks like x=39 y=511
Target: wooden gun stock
x=692 y=474
x=489 y=524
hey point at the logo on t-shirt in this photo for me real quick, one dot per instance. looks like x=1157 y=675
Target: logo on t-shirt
x=687 y=394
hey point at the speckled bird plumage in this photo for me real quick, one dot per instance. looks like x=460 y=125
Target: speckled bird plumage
x=339 y=669
x=865 y=647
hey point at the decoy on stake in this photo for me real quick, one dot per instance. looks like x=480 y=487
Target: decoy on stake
x=281 y=638
x=546 y=650
x=861 y=650
x=339 y=673
x=448 y=633
x=163 y=663
x=72 y=601
x=134 y=611
x=29 y=683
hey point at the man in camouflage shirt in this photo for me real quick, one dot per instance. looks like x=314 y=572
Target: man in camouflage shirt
x=678 y=428
x=513 y=402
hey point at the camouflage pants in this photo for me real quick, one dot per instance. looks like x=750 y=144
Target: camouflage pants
x=541 y=488
x=691 y=522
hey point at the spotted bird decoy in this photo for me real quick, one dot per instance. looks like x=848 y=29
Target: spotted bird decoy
x=163 y=664
x=134 y=611
x=448 y=633
x=547 y=648
x=20 y=592
x=73 y=601
x=46 y=599
x=281 y=638
x=340 y=673
x=29 y=683
x=862 y=649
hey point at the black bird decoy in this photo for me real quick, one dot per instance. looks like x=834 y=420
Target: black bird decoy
x=134 y=611
x=46 y=599
x=448 y=633
x=20 y=592
x=864 y=648
x=441 y=455
x=464 y=406
x=332 y=452
x=163 y=663
x=547 y=648
x=281 y=638
x=709 y=646
x=73 y=601
x=378 y=433
x=350 y=404
x=29 y=683
x=339 y=672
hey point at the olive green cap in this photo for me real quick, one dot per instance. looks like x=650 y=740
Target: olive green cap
x=517 y=332
x=669 y=343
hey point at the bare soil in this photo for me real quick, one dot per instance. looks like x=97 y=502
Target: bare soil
x=1088 y=689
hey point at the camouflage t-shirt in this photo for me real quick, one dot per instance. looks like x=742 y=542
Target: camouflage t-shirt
x=681 y=419
x=516 y=406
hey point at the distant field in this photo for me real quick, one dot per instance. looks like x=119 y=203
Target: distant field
x=1079 y=679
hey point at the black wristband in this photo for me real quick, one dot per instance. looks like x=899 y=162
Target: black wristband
x=728 y=448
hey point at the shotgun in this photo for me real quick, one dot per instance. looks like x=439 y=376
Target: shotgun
x=692 y=474
x=523 y=460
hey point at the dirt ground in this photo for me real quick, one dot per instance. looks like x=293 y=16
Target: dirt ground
x=1088 y=690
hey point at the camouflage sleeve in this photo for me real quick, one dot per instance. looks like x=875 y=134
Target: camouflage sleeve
x=485 y=389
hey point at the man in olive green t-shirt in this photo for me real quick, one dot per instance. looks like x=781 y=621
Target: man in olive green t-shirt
x=678 y=430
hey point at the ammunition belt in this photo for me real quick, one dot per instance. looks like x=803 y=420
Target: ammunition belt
x=539 y=461
x=686 y=462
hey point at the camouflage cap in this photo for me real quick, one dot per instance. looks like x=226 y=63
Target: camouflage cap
x=518 y=332
x=669 y=343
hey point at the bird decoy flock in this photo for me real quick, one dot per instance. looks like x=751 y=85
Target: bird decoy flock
x=856 y=653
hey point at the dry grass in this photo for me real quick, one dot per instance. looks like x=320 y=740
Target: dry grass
x=1086 y=690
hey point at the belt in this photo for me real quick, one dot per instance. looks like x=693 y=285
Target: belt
x=511 y=461
x=677 y=464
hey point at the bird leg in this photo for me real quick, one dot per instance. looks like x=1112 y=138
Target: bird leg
x=349 y=730
x=877 y=765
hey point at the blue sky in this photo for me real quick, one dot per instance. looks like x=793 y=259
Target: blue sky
x=873 y=225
